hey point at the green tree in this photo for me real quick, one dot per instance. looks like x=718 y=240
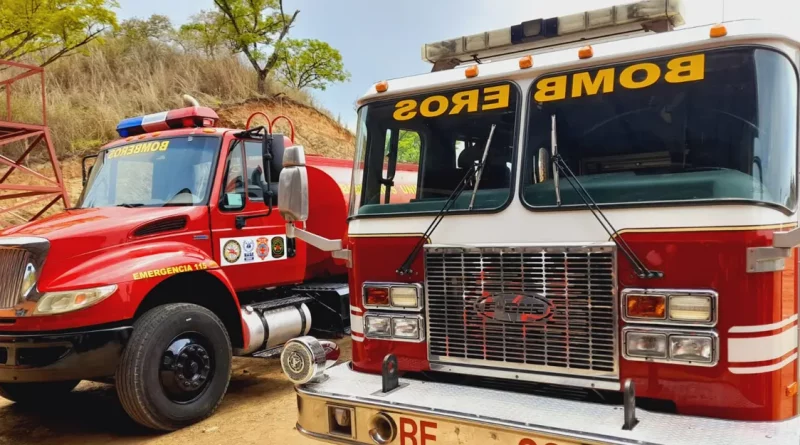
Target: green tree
x=204 y=33
x=255 y=28
x=45 y=30
x=408 y=146
x=157 y=27
x=310 y=63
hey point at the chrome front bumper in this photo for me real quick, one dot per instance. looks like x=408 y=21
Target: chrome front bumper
x=489 y=413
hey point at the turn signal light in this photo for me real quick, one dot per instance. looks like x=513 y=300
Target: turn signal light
x=647 y=306
x=377 y=296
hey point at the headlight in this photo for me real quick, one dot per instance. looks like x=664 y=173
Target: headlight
x=405 y=327
x=690 y=308
x=648 y=345
x=60 y=302
x=691 y=349
x=405 y=296
x=377 y=326
x=28 y=280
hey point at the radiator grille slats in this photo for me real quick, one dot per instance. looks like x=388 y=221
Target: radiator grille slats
x=579 y=338
x=12 y=269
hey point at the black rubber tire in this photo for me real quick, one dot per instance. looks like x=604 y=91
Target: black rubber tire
x=36 y=393
x=138 y=385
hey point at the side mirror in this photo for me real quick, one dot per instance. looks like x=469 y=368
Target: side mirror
x=543 y=165
x=293 y=185
x=85 y=173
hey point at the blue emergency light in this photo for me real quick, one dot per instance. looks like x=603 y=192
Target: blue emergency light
x=166 y=120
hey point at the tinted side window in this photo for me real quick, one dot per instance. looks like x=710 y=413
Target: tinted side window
x=233 y=184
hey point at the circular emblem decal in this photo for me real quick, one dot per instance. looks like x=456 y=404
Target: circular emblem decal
x=248 y=245
x=277 y=247
x=232 y=251
x=295 y=362
x=262 y=248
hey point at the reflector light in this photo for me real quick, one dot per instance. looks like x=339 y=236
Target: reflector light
x=188 y=117
x=585 y=25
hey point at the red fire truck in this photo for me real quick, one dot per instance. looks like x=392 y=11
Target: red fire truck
x=174 y=258
x=601 y=248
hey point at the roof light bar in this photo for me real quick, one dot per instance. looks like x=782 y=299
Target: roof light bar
x=603 y=22
x=166 y=120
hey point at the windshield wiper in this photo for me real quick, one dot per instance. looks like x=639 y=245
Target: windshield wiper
x=130 y=205
x=405 y=268
x=639 y=267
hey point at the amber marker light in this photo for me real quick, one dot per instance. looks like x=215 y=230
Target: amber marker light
x=646 y=306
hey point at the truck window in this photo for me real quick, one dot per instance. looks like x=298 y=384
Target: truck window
x=153 y=172
x=713 y=126
x=255 y=173
x=422 y=146
x=233 y=184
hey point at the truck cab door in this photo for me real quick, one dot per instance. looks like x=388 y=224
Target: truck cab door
x=255 y=255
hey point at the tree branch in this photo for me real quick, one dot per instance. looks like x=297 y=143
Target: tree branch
x=273 y=58
x=67 y=49
x=227 y=11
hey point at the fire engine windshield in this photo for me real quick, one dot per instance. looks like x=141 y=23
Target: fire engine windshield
x=412 y=152
x=712 y=126
x=154 y=172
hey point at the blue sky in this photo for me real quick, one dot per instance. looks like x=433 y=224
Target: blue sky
x=381 y=39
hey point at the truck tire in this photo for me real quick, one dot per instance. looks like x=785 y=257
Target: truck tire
x=175 y=368
x=36 y=393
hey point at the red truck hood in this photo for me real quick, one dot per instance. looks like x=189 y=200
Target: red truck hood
x=86 y=230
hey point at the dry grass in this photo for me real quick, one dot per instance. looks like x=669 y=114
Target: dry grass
x=87 y=95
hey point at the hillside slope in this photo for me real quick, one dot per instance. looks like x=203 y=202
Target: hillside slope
x=315 y=131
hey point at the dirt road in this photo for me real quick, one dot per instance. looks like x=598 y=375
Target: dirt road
x=259 y=408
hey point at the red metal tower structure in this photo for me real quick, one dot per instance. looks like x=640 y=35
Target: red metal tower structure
x=33 y=136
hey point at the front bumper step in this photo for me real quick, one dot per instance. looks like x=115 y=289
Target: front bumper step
x=499 y=413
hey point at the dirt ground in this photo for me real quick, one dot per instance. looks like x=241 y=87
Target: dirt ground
x=259 y=408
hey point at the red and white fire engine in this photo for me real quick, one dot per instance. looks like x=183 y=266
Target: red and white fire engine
x=601 y=248
x=174 y=258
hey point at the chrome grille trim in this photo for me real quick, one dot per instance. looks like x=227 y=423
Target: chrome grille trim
x=12 y=269
x=15 y=254
x=580 y=280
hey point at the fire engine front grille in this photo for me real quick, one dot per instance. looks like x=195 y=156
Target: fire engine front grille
x=12 y=269
x=528 y=308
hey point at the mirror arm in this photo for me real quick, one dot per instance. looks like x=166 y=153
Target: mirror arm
x=326 y=245
x=773 y=258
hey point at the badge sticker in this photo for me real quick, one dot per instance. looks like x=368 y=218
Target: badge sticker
x=232 y=251
x=249 y=246
x=262 y=248
x=252 y=250
x=277 y=247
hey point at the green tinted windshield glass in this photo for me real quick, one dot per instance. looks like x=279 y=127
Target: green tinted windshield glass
x=162 y=172
x=411 y=153
x=719 y=125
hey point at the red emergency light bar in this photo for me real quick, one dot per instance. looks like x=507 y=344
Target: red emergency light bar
x=181 y=118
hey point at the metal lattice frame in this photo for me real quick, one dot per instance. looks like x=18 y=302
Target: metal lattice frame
x=33 y=136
